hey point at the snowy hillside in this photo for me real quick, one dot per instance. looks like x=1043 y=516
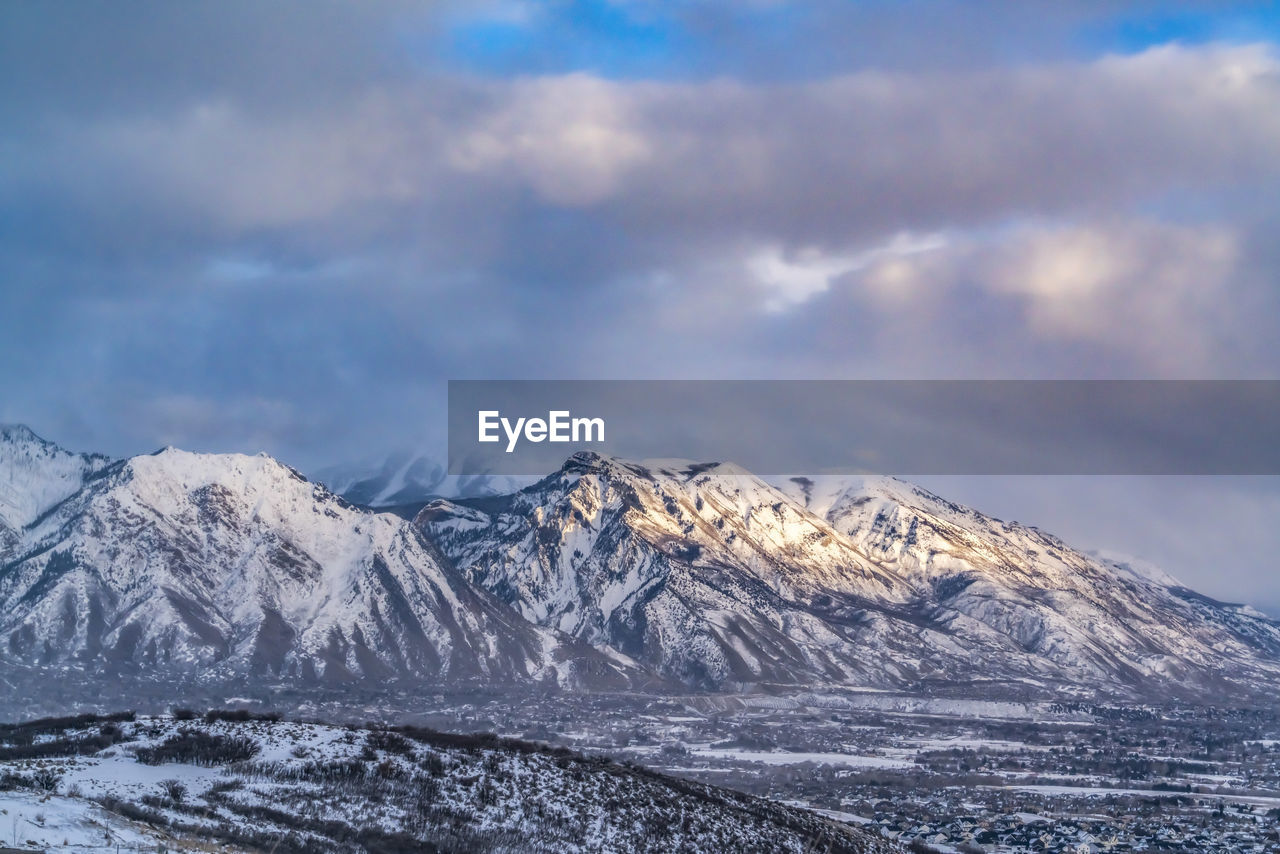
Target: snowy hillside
x=1075 y=609
x=80 y=785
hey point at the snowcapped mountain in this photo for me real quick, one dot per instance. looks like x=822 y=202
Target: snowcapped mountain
x=711 y=579
x=35 y=475
x=228 y=564
x=605 y=573
x=714 y=577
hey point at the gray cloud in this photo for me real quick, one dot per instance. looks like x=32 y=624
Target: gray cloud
x=98 y=58
x=827 y=161
x=1157 y=299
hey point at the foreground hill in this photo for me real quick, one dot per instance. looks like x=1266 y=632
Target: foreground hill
x=298 y=788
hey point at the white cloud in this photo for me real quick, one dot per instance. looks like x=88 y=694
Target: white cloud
x=1133 y=281
x=1155 y=295
x=789 y=279
x=573 y=138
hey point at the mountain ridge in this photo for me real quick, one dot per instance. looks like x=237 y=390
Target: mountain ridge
x=187 y=563
x=36 y=474
x=965 y=595
x=604 y=574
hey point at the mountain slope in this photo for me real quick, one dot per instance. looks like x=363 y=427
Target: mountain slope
x=703 y=572
x=229 y=565
x=714 y=577
x=1077 y=610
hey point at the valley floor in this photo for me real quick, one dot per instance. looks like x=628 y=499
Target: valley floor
x=979 y=776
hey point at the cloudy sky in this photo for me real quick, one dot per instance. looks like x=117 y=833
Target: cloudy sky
x=283 y=226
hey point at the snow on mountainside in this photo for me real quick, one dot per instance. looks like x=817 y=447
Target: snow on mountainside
x=711 y=579
x=714 y=577
x=239 y=565
x=1136 y=566
x=35 y=475
x=222 y=783
x=1085 y=612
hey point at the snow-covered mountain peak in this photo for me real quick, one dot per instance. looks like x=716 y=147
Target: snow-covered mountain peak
x=18 y=433
x=238 y=563
x=36 y=475
x=259 y=488
x=602 y=571
x=675 y=482
x=591 y=462
x=173 y=466
x=828 y=495
x=706 y=570
x=900 y=490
